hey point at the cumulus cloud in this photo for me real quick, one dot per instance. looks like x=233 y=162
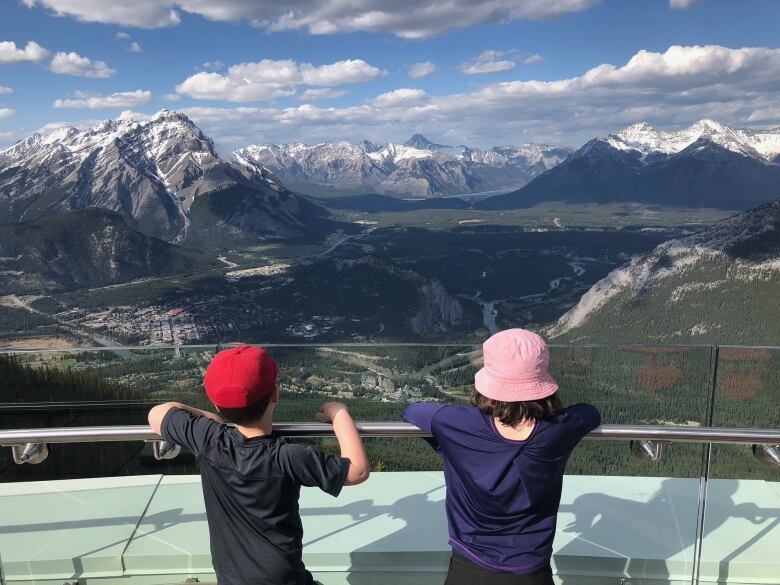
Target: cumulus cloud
x=321 y=93
x=135 y=47
x=423 y=18
x=400 y=97
x=74 y=64
x=139 y=13
x=268 y=80
x=93 y=101
x=6 y=90
x=534 y=58
x=681 y=4
x=6 y=112
x=62 y=62
x=671 y=88
x=122 y=35
x=487 y=62
x=423 y=69
x=171 y=97
x=10 y=53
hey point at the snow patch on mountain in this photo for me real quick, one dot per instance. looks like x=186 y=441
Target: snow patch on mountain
x=418 y=167
x=149 y=169
x=763 y=143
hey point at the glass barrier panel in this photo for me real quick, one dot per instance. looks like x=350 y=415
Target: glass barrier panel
x=742 y=515
x=636 y=385
x=639 y=522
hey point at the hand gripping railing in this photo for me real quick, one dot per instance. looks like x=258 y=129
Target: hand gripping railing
x=30 y=445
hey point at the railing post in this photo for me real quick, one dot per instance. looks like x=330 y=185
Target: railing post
x=705 y=470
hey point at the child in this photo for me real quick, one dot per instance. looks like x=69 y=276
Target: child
x=252 y=478
x=504 y=460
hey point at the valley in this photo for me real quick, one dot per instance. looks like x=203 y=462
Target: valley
x=381 y=284
x=210 y=250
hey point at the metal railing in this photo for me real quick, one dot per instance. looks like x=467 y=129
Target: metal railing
x=9 y=438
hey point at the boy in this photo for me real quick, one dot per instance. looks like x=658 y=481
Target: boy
x=252 y=478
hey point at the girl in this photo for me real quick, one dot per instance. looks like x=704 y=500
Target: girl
x=504 y=460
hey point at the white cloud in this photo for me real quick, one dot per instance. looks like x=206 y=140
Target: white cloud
x=669 y=89
x=268 y=80
x=123 y=99
x=534 y=58
x=74 y=64
x=213 y=66
x=9 y=53
x=681 y=4
x=122 y=35
x=171 y=97
x=131 y=115
x=6 y=90
x=422 y=18
x=6 y=112
x=139 y=13
x=135 y=47
x=423 y=69
x=487 y=62
x=400 y=97
x=321 y=93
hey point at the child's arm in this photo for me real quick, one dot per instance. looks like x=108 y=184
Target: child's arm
x=157 y=414
x=349 y=440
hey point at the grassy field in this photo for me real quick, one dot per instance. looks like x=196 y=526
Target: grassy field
x=551 y=215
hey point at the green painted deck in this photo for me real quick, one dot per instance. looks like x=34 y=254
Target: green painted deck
x=392 y=529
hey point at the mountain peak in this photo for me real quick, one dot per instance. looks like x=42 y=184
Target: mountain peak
x=643 y=126
x=166 y=115
x=708 y=125
x=369 y=146
x=421 y=142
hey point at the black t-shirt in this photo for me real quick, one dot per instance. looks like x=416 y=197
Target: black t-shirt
x=251 y=488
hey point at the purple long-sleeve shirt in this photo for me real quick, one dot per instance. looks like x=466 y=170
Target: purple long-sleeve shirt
x=503 y=495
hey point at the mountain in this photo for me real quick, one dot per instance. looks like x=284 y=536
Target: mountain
x=418 y=168
x=719 y=285
x=156 y=173
x=706 y=165
x=90 y=247
x=421 y=142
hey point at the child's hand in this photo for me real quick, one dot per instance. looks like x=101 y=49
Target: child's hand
x=329 y=410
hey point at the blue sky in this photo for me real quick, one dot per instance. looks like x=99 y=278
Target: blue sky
x=313 y=72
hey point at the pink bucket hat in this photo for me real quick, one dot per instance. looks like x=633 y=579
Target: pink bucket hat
x=515 y=369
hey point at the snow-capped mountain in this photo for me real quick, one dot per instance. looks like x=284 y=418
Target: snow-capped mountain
x=759 y=143
x=706 y=165
x=717 y=285
x=417 y=168
x=153 y=171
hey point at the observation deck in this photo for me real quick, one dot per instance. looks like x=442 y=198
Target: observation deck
x=668 y=491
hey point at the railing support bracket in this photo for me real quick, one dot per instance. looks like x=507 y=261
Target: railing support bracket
x=32 y=453
x=767 y=454
x=165 y=450
x=648 y=451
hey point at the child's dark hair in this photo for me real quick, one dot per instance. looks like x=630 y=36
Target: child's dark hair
x=513 y=413
x=247 y=414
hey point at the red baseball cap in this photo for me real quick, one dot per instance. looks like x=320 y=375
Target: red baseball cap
x=240 y=377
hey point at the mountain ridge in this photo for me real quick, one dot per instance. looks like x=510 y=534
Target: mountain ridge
x=417 y=168
x=706 y=165
x=717 y=285
x=151 y=171
x=88 y=247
